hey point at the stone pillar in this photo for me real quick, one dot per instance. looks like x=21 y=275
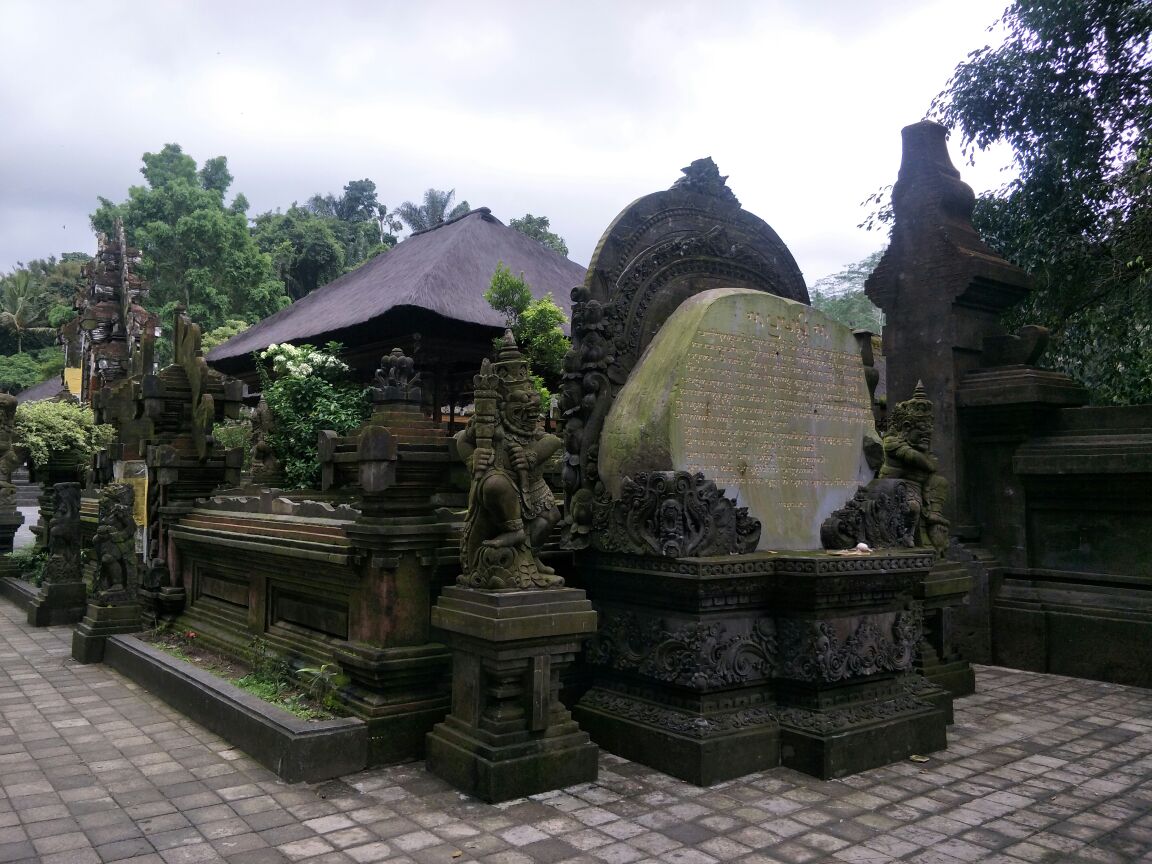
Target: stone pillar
x=10 y=521
x=508 y=735
x=942 y=291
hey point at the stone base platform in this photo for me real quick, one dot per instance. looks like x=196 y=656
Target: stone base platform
x=508 y=735
x=711 y=668
x=58 y=603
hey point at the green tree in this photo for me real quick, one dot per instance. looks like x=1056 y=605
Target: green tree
x=20 y=371
x=211 y=338
x=304 y=249
x=536 y=227
x=363 y=225
x=437 y=208
x=196 y=252
x=1070 y=91
x=537 y=325
x=841 y=296
x=24 y=303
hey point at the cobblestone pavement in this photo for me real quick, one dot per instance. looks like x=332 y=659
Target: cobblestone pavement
x=93 y=769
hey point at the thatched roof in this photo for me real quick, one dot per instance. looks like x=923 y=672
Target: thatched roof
x=44 y=390
x=444 y=270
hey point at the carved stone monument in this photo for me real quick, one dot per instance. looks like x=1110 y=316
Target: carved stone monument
x=510 y=621
x=711 y=426
x=765 y=397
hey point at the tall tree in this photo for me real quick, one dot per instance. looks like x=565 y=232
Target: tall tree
x=24 y=306
x=363 y=225
x=196 y=251
x=1070 y=90
x=436 y=208
x=304 y=248
x=536 y=227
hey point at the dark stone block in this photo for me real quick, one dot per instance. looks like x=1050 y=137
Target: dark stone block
x=98 y=624
x=295 y=749
x=699 y=749
x=58 y=603
x=508 y=734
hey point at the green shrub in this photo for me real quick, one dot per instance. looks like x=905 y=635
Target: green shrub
x=46 y=428
x=310 y=393
x=30 y=562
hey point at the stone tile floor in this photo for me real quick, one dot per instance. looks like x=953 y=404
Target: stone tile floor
x=93 y=769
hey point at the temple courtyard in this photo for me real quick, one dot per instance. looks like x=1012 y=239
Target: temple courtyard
x=94 y=769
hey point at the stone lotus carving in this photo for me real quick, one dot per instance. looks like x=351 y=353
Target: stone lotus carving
x=674 y=514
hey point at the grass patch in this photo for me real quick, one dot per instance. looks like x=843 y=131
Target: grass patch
x=306 y=693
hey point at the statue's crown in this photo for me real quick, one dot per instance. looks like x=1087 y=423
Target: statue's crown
x=913 y=410
x=511 y=367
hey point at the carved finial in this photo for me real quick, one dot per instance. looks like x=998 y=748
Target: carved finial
x=919 y=392
x=703 y=176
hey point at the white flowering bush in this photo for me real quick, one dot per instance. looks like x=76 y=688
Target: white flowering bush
x=301 y=361
x=307 y=390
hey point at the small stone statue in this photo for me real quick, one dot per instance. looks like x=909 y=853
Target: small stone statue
x=396 y=378
x=63 y=564
x=907 y=457
x=265 y=465
x=904 y=506
x=511 y=510
x=114 y=545
x=9 y=459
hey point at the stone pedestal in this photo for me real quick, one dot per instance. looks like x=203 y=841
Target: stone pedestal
x=58 y=603
x=399 y=692
x=942 y=594
x=711 y=668
x=10 y=522
x=98 y=624
x=508 y=734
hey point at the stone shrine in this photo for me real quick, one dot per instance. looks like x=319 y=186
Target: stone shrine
x=710 y=413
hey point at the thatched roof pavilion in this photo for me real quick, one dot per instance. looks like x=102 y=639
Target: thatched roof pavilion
x=432 y=284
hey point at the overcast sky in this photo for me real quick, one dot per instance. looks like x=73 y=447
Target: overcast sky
x=565 y=109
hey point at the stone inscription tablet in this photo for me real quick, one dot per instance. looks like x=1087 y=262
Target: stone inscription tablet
x=763 y=395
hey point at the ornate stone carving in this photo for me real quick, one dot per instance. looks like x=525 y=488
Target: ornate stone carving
x=813 y=651
x=63 y=563
x=905 y=505
x=510 y=508
x=114 y=546
x=661 y=250
x=697 y=655
x=674 y=514
x=823 y=723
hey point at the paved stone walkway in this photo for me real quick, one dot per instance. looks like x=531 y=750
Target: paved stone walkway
x=92 y=769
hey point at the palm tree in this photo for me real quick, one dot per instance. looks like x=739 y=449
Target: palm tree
x=23 y=307
x=434 y=210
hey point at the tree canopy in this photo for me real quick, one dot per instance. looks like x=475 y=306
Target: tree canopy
x=1070 y=90
x=196 y=251
x=536 y=227
x=841 y=296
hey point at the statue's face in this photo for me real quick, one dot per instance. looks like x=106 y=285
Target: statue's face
x=919 y=436
x=521 y=410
